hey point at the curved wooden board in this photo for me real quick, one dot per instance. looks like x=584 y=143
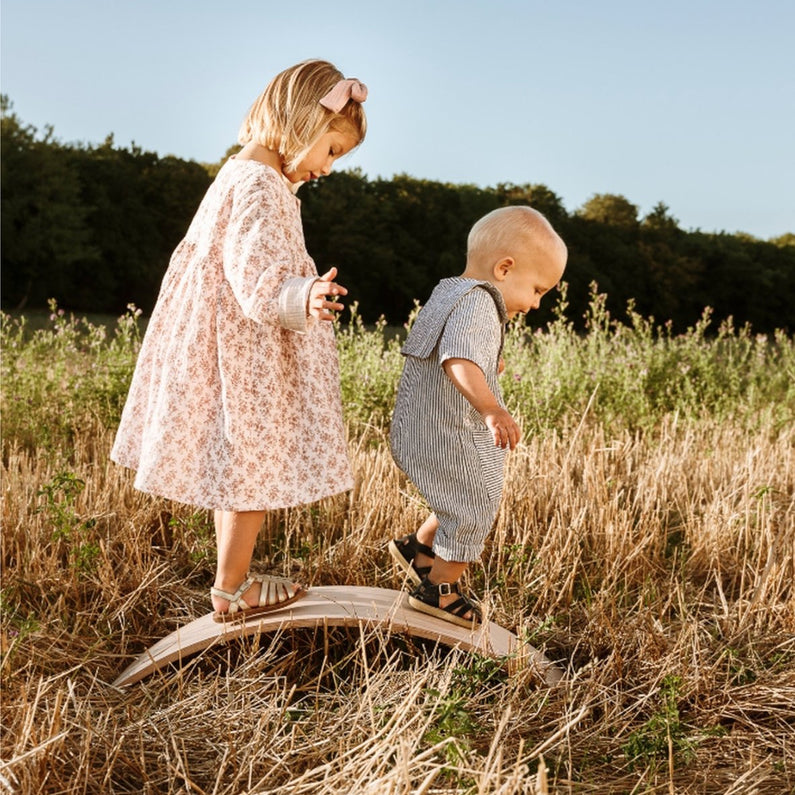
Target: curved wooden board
x=342 y=606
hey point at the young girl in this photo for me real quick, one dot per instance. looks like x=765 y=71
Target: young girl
x=235 y=405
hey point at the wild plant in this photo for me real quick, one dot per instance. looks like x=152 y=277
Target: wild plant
x=646 y=542
x=54 y=379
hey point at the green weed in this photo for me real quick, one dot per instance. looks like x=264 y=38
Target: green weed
x=628 y=375
x=196 y=533
x=663 y=734
x=60 y=495
x=58 y=379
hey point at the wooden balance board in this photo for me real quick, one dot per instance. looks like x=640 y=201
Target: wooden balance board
x=343 y=606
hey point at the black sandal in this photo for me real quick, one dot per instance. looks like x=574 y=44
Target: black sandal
x=425 y=598
x=404 y=551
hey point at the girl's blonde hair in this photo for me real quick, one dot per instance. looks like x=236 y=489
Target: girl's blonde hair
x=288 y=117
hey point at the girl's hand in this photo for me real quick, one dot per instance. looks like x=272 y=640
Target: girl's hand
x=319 y=305
x=501 y=366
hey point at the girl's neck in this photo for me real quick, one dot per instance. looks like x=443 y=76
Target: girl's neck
x=254 y=151
x=260 y=154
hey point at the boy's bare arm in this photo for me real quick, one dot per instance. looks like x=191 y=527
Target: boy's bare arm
x=470 y=381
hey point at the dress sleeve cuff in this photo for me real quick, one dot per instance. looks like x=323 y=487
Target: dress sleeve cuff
x=293 y=301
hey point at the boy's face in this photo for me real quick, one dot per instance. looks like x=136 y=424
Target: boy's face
x=534 y=273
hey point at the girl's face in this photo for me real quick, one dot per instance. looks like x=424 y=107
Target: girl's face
x=317 y=162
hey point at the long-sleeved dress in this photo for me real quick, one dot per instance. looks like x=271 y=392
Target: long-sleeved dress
x=235 y=400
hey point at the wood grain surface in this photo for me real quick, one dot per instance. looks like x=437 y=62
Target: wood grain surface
x=343 y=606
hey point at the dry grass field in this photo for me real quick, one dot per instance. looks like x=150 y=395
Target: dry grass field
x=646 y=542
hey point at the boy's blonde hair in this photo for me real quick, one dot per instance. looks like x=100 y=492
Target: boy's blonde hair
x=497 y=232
x=288 y=117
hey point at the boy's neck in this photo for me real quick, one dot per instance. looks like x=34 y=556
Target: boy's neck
x=480 y=274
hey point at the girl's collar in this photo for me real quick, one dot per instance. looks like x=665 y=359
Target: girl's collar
x=291 y=186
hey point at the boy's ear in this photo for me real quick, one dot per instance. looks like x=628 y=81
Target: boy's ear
x=503 y=267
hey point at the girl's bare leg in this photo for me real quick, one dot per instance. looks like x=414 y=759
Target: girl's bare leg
x=235 y=535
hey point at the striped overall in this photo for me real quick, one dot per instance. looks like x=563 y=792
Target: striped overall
x=438 y=439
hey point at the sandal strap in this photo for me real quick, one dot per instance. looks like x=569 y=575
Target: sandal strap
x=273 y=590
x=410 y=547
x=429 y=593
x=233 y=597
x=414 y=545
x=461 y=607
x=440 y=589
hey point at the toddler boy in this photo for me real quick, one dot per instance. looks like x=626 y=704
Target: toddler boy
x=450 y=429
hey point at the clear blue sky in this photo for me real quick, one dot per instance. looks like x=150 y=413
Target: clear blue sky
x=690 y=102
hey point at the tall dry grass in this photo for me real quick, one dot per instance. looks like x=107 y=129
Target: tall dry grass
x=655 y=563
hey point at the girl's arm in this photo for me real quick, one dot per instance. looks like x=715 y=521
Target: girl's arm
x=262 y=249
x=303 y=297
x=470 y=381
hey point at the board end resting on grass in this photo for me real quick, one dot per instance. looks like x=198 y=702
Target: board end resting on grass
x=344 y=606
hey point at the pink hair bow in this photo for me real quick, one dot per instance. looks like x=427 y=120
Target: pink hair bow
x=338 y=97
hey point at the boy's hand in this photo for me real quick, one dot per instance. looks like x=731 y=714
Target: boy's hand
x=469 y=380
x=319 y=305
x=503 y=427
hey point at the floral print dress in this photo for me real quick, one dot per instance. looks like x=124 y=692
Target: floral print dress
x=235 y=400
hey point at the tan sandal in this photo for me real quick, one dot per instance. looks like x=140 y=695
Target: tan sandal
x=275 y=593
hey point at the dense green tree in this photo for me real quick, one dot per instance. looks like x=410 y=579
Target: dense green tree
x=46 y=234
x=94 y=227
x=787 y=239
x=140 y=206
x=610 y=209
x=391 y=239
x=539 y=197
x=660 y=219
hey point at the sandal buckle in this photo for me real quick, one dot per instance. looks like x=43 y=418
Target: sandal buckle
x=445 y=589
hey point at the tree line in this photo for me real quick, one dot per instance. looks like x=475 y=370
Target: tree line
x=93 y=226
